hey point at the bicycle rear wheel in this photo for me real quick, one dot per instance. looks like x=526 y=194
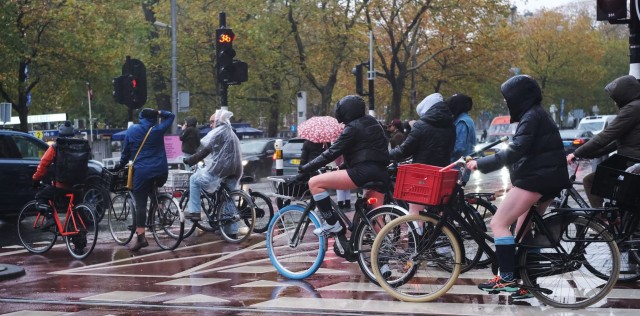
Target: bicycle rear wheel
x=236 y=216
x=85 y=222
x=264 y=211
x=364 y=237
x=167 y=223
x=568 y=278
x=32 y=236
x=396 y=246
x=120 y=218
x=300 y=258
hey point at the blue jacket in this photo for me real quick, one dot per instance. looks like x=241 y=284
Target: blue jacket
x=465 y=136
x=152 y=160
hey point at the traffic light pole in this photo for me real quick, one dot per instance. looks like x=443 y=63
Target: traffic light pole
x=634 y=39
x=224 y=88
x=174 y=68
x=371 y=75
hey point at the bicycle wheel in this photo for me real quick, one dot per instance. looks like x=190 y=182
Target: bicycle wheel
x=396 y=246
x=300 y=258
x=121 y=218
x=84 y=221
x=567 y=278
x=31 y=235
x=364 y=237
x=167 y=222
x=236 y=216
x=264 y=211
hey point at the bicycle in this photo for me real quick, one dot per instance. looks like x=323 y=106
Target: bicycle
x=297 y=253
x=165 y=218
x=80 y=229
x=555 y=252
x=224 y=207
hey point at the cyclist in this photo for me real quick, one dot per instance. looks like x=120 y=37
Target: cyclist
x=623 y=134
x=363 y=144
x=538 y=171
x=150 y=166
x=431 y=139
x=460 y=105
x=223 y=162
x=70 y=168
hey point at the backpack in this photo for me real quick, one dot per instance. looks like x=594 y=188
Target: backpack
x=72 y=158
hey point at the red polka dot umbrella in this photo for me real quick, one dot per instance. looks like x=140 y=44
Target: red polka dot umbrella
x=320 y=129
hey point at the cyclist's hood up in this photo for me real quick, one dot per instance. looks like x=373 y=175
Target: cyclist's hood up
x=623 y=90
x=521 y=93
x=349 y=109
x=428 y=102
x=148 y=117
x=225 y=158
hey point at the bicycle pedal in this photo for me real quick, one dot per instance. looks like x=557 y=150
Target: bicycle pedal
x=493 y=292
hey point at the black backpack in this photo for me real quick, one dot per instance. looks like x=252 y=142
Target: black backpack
x=72 y=158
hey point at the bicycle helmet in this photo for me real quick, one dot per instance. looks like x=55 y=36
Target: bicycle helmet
x=66 y=129
x=349 y=108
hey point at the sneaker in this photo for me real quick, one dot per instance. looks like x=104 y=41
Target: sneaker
x=192 y=216
x=497 y=284
x=521 y=294
x=327 y=229
x=385 y=271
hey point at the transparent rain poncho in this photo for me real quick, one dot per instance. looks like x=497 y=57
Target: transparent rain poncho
x=225 y=159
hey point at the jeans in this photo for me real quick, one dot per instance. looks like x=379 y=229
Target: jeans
x=203 y=180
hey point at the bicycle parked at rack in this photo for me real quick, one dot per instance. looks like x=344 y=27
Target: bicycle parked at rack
x=165 y=218
x=556 y=254
x=223 y=208
x=80 y=229
x=298 y=253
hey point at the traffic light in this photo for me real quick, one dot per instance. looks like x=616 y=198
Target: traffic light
x=130 y=89
x=611 y=10
x=229 y=71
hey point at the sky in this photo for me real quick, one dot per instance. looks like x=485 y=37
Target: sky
x=533 y=5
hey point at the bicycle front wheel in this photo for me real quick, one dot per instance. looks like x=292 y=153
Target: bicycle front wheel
x=84 y=222
x=264 y=211
x=236 y=217
x=120 y=218
x=167 y=223
x=565 y=272
x=300 y=257
x=402 y=245
x=34 y=238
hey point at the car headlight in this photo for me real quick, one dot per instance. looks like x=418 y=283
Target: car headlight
x=245 y=162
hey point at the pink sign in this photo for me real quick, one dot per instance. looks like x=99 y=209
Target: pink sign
x=173 y=147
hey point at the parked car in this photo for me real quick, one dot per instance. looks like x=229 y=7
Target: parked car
x=257 y=157
x=574 y=138
x=595 y=124
x=291 y=153
x=20 y=155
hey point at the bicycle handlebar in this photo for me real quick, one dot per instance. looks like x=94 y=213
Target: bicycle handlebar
x=463 y=160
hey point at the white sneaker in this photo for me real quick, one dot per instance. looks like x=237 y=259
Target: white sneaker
x=327 y=229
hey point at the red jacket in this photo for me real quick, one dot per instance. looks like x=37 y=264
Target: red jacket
x=47 y=159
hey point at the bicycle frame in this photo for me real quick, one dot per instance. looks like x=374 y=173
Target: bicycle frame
x=62 y=230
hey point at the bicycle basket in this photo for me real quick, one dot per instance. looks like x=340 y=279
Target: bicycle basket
x=612 y=182
x=284 y=187
x=119 y=180
x=177 y=180
x=424 y=184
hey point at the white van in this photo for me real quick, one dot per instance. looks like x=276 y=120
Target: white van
x=595 y=124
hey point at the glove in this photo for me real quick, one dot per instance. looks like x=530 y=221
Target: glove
x=634 y=169
x=302 y=177
x=35 y=184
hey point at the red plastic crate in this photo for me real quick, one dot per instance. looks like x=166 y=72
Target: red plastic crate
x=424 y=184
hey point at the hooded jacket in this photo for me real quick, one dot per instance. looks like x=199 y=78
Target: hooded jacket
x=152 y=160
x=432 y=137
x=363 y=138
x=460 y=105
x=623 y=133
x=535 y=157
x=190 y=136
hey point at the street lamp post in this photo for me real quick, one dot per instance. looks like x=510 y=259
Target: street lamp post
x=174 y=68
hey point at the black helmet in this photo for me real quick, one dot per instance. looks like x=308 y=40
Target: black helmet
x=66 y=129
x=349 y=108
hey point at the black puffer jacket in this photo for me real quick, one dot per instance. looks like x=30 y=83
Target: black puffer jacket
x=363 y=139
x=535 y=157
x=190 y=136
x=431 y=139
x=311 y=150
x=623 y=133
